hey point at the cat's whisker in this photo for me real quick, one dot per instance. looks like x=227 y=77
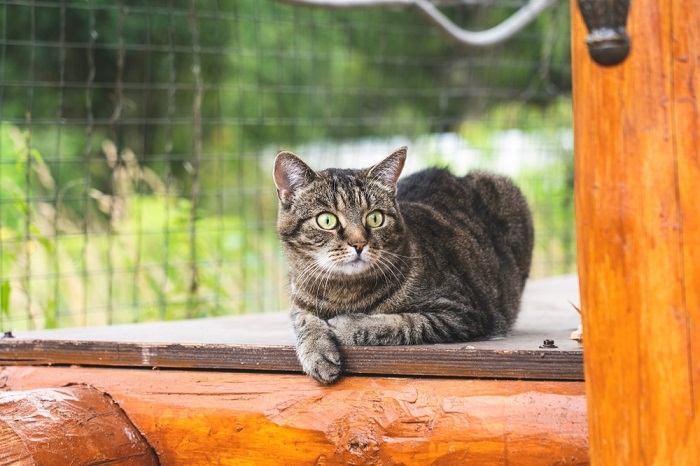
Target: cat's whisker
x=387 y=256
x=393 y=269
x=403 y=262
x=328 y=275
x=396 y=267
x=383 y=262
x=300 y=279
x=311 y=281
x=388 y=261
x=393 y=254
x=381 y=270
x=322 y=277
x=311 y=265
x=303 y=276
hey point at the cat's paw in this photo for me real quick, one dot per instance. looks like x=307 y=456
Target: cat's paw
x=343 y=329
x=320 y=358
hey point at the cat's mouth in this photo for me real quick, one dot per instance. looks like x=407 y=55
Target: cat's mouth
x=357 y=264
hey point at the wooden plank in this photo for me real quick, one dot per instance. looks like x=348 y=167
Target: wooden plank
x=548 y=312
x=264 y=342
x=638 y=227
x=426 y=360
x=69 y=425
x=201 y=418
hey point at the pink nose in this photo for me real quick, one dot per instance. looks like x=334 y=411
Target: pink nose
x=359 y=246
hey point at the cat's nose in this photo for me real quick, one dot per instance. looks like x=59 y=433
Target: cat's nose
x=359 y=246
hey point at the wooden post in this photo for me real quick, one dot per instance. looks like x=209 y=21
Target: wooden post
x=637 y=144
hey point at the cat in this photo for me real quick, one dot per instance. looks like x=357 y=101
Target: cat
x=434 y=258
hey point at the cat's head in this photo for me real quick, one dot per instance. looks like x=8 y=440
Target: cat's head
x=340 y=222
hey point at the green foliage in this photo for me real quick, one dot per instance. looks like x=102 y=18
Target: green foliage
x=140 y=256
x=98 y=222
x=5 y=290
x=550 y=190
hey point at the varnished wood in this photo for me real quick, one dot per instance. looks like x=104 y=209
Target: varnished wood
x=438 y=360
x=202 y=418
x=75 y=425
x=637 y=147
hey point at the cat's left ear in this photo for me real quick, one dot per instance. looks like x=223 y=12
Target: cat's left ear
x=388 y=170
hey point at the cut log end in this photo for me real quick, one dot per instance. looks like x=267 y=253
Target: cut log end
x=71 y=425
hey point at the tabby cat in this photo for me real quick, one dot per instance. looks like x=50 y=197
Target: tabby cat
x=433 y=259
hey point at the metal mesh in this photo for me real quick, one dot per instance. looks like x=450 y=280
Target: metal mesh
x=136 y=141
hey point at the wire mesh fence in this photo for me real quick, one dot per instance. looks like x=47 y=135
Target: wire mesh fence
x=136 y=140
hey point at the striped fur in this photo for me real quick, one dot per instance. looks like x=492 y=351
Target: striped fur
x=449 y=263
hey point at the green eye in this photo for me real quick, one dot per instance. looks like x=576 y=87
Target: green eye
x=327 y=220
x=375 y=219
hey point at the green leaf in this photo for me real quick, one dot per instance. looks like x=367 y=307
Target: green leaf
x=5 y=298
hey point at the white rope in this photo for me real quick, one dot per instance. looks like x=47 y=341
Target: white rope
x=495 y=35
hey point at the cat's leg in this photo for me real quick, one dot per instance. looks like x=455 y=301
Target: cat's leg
x=409 y=328
x=316 y=347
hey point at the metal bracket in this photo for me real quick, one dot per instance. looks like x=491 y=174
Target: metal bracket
x=608 y=42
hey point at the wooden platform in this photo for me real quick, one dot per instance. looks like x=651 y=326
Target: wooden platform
x=257 y=409
x=264 y=342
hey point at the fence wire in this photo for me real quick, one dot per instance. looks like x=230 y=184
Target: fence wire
x=136 y=140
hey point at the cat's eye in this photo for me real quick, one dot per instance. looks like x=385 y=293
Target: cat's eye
x=375 y=219
x=327 y=220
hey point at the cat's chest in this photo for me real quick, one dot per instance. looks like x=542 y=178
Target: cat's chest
x=339 y=297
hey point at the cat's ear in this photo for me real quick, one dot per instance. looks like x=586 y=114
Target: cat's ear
x=388 y=170
x=290 y=174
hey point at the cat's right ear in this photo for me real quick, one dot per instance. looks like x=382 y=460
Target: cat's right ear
x=388 y=170
x=290 y=174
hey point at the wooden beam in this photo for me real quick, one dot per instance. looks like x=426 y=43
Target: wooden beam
x=637 y=143
x=454 y=360
x=69 y=425
x=207 y=417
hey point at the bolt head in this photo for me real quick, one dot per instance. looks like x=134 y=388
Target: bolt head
x=608 y=46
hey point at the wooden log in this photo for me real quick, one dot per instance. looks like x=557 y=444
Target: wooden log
x=199 y=417
x=637 y=145
x=75 y=425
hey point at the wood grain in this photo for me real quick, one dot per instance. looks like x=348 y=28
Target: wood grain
x=638 y=231
x=202 y=418
x=456 y=360
x=75 y=425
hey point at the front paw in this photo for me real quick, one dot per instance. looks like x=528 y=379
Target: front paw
x=343 y=327
x=320 y=358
